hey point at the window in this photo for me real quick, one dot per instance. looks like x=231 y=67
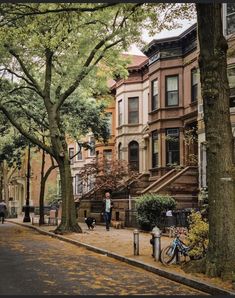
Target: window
x=120 y=112
x=134 y=155
x=194 y=85
x=120 y=151
x=133 y=110
x=79 y=154
x=71 y=154
x=230 y=18
x=78 y=185
x=231 y=80
x=172 y=92
x=92 y=143
x=154 y=95
x=172 y=146
x=107 y=154
x=155 y=149
x=90 y=182
x=110 y=118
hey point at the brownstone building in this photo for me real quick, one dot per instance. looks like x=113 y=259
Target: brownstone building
x=173 y=95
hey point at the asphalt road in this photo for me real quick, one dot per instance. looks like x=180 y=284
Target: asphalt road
x=34 y=264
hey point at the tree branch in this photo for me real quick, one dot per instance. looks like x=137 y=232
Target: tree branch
x=21 y=77
x=24 y=132
x=86 y=69
x=25 y=70
x=80 y=148
x=21 y=87
x=30 y=115
x=22 y=14
x=49 y=170
x=48 y=75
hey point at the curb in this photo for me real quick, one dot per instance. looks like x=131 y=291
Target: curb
x=202 y=286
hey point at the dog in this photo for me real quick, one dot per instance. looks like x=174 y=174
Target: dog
x=90 y=221
x=117 y=224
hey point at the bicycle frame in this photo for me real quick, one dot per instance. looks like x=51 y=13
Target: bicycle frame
x=180 y=246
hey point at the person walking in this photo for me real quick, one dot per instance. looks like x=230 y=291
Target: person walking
x=3 y=209
x=107 y=209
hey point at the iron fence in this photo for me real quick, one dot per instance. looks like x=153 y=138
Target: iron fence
x=130 y=219
x=179 y=218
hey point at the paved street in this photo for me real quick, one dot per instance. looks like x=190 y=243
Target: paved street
x=36 y=264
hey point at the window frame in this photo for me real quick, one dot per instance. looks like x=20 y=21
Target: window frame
x=226 y=16
x=120 y=113
x=193 y=98
x=110 y=122
x=92 y=152
x=76 y=188
x=80 y=154
x=154 y=107
x=138 y=155
x=107 y=159
x=231 y=88
x=155 y=155
x=133 y=111
x=71 y=149
x=167 y=146
x=120 y=151
x=166 y=92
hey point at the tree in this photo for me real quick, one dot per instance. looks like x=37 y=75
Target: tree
x=44 y=177
x=56 y=51
x=108 y=174
x=220 y=259
x=11 y=148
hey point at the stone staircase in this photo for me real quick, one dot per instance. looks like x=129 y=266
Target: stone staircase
x=181 y=184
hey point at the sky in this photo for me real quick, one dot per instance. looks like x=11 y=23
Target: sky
x=164 y=34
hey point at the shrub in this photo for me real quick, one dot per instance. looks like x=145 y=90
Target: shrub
x=198 y=235
x=149 y=208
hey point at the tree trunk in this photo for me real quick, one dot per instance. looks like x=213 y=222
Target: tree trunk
x=43 y=186
x=60 y=150
x=1 y=180
x=5 y=183
x=68 y=219
x=59 y=144
x=42 y=191
x=220 y=259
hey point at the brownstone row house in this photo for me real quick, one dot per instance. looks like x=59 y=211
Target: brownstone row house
x=155 y=107
x=159 y=119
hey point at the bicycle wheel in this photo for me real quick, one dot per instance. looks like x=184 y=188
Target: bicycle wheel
x=167 y=255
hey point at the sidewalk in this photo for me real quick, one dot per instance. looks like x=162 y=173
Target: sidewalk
x=118 y=243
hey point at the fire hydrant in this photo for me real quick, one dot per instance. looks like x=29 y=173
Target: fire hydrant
x=156 y=243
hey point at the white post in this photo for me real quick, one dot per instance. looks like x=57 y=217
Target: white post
x=136 y=242
x=129 y=201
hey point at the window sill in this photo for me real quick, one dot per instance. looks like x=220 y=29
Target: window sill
x=165 y=108
x=128 y=125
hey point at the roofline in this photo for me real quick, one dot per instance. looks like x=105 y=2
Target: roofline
x=169 y=39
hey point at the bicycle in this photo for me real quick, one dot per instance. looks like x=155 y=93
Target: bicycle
x=177 y=249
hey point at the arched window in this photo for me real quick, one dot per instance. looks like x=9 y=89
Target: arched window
x=120 y=151
x=133 y=150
